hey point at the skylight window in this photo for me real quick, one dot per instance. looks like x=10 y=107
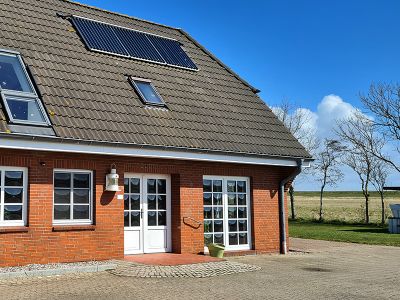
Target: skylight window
x=19 y=96
x=147 y=91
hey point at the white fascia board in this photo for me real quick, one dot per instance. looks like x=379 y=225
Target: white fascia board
x=106 y=149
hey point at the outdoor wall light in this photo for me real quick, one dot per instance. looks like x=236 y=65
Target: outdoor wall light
x=112 y=180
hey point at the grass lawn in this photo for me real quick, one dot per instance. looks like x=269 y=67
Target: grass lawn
x=364 y=234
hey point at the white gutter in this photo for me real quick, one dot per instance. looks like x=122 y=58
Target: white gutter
x=71 y=146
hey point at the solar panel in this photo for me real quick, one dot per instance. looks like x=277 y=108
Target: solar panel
x=172 y=52
x=99 y=36
x=126 y=42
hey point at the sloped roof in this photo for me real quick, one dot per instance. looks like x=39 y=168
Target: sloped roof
x=88 y=96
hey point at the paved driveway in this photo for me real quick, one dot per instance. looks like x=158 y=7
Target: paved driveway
x=329 y=271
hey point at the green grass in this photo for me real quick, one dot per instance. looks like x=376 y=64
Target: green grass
x=341 y=194
x=353 y=233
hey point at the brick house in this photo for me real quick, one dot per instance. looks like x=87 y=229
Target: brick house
x=200 y=157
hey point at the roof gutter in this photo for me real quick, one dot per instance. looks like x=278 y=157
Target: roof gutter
x=282 y=214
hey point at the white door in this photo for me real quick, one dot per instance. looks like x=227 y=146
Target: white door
x=147 y=213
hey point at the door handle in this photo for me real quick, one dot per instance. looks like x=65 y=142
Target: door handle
x=141 y=213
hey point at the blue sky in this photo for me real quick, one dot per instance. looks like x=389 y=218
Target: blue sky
x=300 y=50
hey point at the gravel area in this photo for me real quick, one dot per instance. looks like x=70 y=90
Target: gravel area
x=60 y=266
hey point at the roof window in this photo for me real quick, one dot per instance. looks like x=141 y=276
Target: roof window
x=147 y=91
x=18 y=93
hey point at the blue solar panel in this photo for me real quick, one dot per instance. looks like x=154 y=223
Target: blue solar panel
x=138 y=45
x=172 y=52
x=99 y=36
x=131 y=43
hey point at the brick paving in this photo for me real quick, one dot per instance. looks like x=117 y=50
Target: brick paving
x=329 y=271
x=170 y=259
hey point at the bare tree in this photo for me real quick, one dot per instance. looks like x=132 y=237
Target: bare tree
x=383 y=100
x=297 y=121
x=356 y=133
x=379 y=177
x=326 y=168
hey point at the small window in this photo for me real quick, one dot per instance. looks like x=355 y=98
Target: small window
x=13 y=191
x=19 y=96
x=147 y=91
x=72 y=197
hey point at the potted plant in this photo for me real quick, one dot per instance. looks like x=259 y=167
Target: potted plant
x=216 y=250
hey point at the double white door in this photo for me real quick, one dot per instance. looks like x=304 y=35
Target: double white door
x=147 y=213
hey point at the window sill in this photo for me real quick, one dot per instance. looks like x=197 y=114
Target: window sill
x=13 y=229
x=57 y=228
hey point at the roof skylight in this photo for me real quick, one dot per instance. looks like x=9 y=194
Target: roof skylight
x=147 y=91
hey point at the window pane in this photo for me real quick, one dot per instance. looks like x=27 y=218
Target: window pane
x=242 y=225
x=162 y=202
x=13 y=195
x=208 y=226
x=25 y=110
x=62 y=196
x=151 y=186
x=12 y=76
x=126 y=218
x=207 y=199
x=162 y=218
x=61 y=212
x=242 y=238
x=217 y=199
x=148 y=92
x=81 y=212
x=233 y=239
x=219 y=238
x=161 y=186
x=126 y=185
x=242 y=212
x=233 y=225
x=81 y=196
x=217 y=186
x=207 y=186
x=218 y=226
x=135 y=185
x=126 y=202
x=12 y=212
x=62 y=180
x=151 y=218
x=81 y=180
x=151 y=202
x=231 y=186
x=242 y=199
x=135 y=202
x=232 y=213
x=207 y=213
x=208 y=239
x=241 y=186
x=135 y=218
x=218 y=213
x=14 y=178
x=231 y=199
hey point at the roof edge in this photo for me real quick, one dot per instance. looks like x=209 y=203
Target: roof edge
x=253 y=89
x=118 y=14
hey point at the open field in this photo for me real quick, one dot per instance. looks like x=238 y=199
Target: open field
x=346 y=207
x=362 y=234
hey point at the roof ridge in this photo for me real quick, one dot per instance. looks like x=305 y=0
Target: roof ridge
x=119 y=14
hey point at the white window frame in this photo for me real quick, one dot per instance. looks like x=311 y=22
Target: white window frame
x=5 y=223
x=71 y=203
x=225 y=179
x=142 y=97
x=21 y=96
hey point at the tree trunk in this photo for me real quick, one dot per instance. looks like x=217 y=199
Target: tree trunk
x=367 y=208
x=291 y=194
x=383 y=208
x=320 y=203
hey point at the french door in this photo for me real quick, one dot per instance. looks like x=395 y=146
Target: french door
x=226 y=204
x=147 y=213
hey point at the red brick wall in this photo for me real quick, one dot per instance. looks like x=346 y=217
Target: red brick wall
x=41 y=243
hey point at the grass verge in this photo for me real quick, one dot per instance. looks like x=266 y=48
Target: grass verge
x=352 y=233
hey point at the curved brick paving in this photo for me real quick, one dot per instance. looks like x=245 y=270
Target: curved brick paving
x=200 y=270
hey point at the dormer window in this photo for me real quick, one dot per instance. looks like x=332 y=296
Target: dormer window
x=146 y=91
x=18 y=93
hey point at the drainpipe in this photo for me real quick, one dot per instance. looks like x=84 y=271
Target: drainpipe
x=282 y=215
